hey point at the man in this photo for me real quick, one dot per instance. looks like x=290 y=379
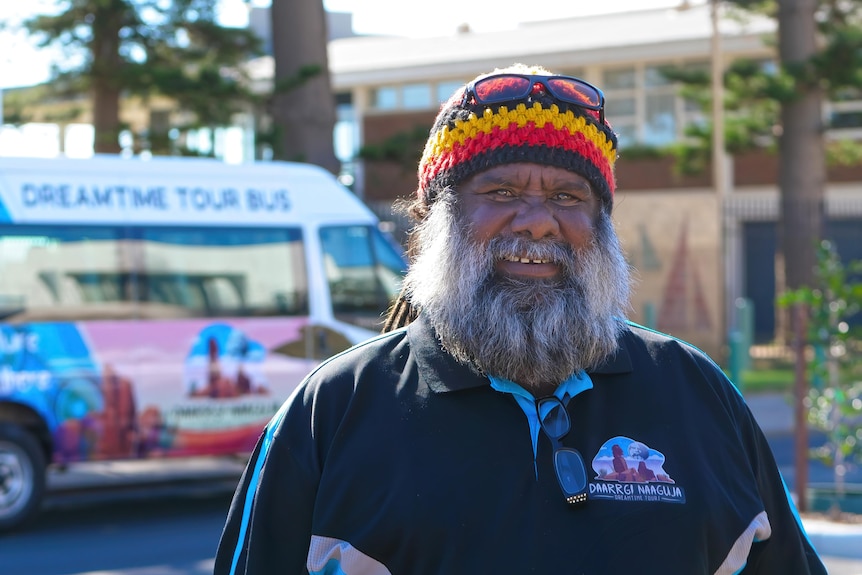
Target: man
x=511 y=421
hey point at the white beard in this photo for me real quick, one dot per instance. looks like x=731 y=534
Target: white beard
x=534 y=332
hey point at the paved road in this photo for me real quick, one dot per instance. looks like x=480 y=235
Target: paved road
x=130 y=532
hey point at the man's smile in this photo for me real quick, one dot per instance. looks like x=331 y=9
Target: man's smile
x=527 y=267
x=523 y=260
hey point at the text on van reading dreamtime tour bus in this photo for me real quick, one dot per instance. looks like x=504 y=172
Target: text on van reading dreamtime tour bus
x=158 y=197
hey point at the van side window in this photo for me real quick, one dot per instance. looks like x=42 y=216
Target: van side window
x=222 y=272
x=63 y=274
x=364 y=271
x=81 y=273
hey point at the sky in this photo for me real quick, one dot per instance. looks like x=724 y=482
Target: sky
x=22 y=65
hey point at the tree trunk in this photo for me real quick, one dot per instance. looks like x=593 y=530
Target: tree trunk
x=303 y=107
x=106 y=116
x=802 y=178
x=802 y=171
x=105 y=49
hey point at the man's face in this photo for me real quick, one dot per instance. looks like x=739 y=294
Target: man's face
x=533 y=202
x=521 y=274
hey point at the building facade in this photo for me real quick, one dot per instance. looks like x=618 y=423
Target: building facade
x=696 y=252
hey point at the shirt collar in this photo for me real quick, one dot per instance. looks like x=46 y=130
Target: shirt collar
x=439 y=369
x=571 y=387
x=442 y=373
x=620 y=361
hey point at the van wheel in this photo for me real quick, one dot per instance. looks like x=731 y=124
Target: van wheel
x=22 y=476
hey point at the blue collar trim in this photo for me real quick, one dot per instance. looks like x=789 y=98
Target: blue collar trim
x=571 y=387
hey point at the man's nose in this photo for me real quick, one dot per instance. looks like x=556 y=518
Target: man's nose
x=535 y=218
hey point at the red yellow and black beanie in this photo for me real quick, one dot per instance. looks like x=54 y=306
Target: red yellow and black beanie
x=468 y=137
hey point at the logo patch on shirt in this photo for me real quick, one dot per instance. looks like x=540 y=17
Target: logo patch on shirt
x=628 y=470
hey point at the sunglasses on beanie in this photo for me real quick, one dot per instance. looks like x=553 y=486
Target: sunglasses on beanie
x=513 y=87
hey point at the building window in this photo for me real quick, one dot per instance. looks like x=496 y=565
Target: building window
x=416 y=96
x=660 y=119
x=846 y=119
x=618 y=79
x=626 y=134
x=345 y=136
x=660 y=123
x=386 y=98
x=645 y=107
x=654 y=76
x=621 y=103
x=446 y=89
x=422 y=96
x=621 y=107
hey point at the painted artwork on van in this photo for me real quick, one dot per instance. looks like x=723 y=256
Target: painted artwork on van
x=114 y=390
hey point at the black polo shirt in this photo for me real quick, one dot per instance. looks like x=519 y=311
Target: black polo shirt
x=394 y=458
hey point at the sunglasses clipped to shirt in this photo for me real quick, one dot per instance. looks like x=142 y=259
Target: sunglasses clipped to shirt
x=568 y=463
x=501 y=88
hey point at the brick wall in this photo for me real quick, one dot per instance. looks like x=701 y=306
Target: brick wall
x=386 y=180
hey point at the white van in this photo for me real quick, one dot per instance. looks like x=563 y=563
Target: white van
x=167 y=307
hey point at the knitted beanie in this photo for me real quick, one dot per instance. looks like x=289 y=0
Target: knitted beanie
x=468 y=137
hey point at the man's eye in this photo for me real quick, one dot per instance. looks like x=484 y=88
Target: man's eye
x=567 y=198
x=502 y=193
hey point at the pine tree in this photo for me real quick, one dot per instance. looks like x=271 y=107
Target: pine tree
x=174 y=48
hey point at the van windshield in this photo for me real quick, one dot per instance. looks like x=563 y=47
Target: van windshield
x=364 y=269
